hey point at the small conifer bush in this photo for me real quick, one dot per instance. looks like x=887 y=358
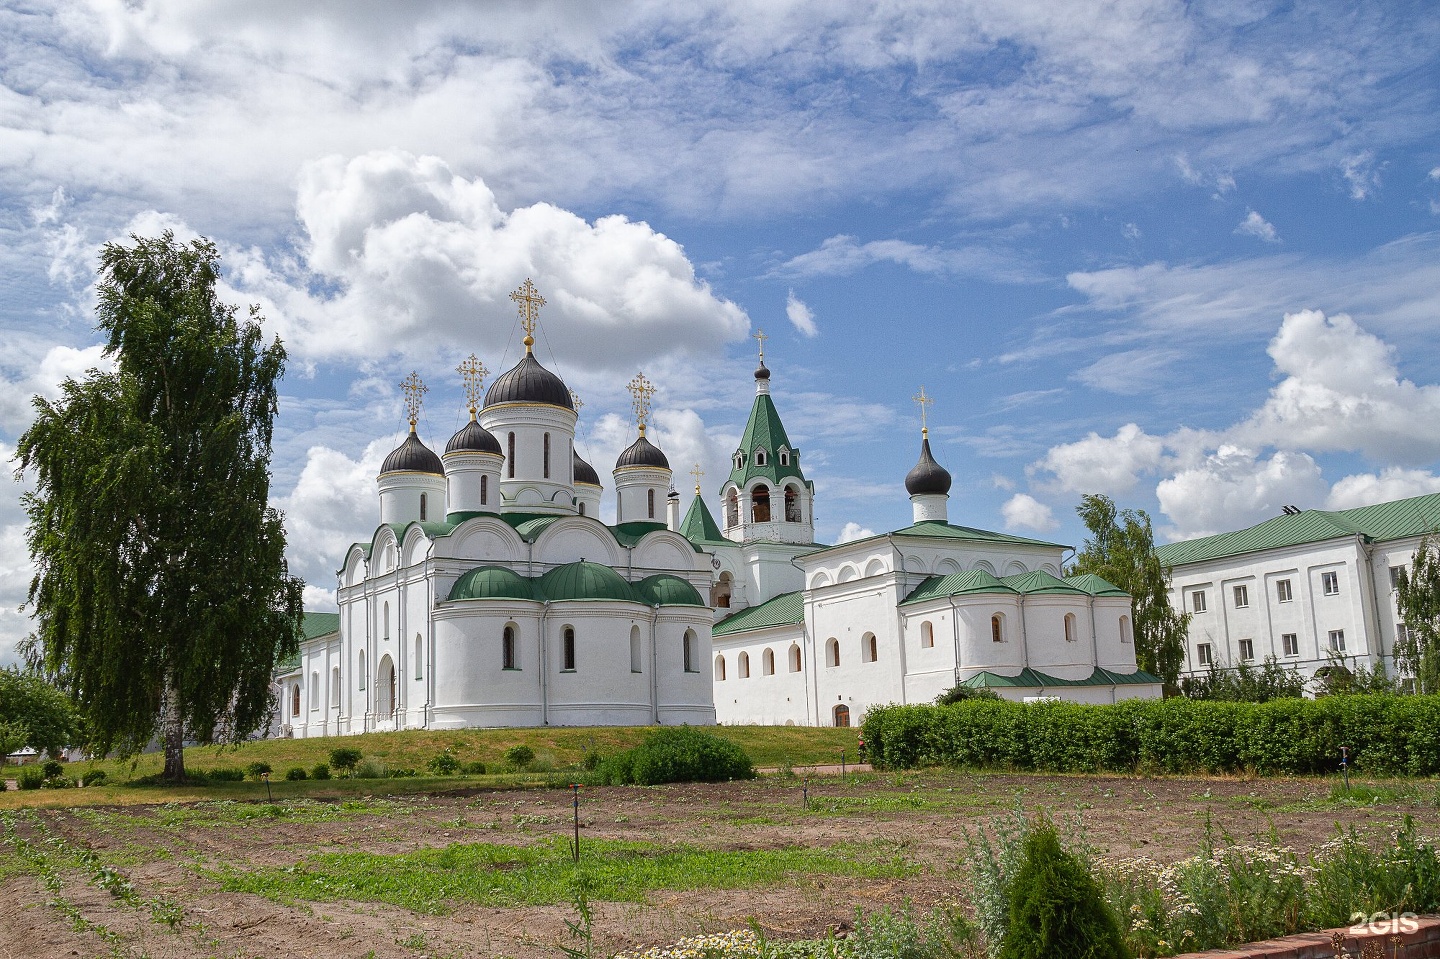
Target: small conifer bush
x=321 y=771
x=520 y=756
x=344 y=759
x=295 y=774
x=1057 y=908
x=256 y=770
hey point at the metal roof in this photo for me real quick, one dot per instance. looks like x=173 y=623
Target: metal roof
x=412 y=456
x=787 y=609
x=927 y=476
x=1415 y=516
x=1039 y=581
x=764 y=431
x=529 y=382
x=956 y=584
x=1034 y=679
x=699 y=526
x=1095 y=585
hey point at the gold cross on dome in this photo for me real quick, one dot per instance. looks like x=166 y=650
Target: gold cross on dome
x=529 y=301
x=576 y=402
x=697 y=472
x=414 y=391
x=922 y=400
x=759 y=334
x=642 y=390
x=473 y=373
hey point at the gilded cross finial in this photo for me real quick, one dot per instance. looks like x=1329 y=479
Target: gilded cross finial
x=576 y=402
x=922 y=400
x=759 y=334
x=473 y=373
x=641 y=390
x=414 y=391
x=529 y=301
x=697 y=472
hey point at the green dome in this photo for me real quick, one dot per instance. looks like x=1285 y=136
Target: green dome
x=492 y=582
x=584 y=580
x=666 y=589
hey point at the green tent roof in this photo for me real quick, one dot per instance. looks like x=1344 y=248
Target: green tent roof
x=787 y=609
x=1415 y=516
x=1095 y=585
x=1034 y=679
x=492 y=582
x=956 y=584
x=764 y=431
x=666 y=589
x=699 y=526
x=1039 y=581
x=585 y=580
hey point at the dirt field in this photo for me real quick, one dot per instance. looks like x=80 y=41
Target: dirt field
x=152 y=880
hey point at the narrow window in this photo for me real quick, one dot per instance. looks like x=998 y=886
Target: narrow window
x=768 y=663
x=732 y=510
x=569 y=643
x=997 y=629
x=1197 y=601
x=760 y=504
x=720 y=669
x=1125 y=634
x=1330 y=584
x=547 y=455
x=484 y=489
x=927 y=635
x=1337 y=640
x=314 y=691
x=385 y=631
x=1290 y=644
x=424 y=504
x=759 y=457
x=792 y=505
x=832 y=652
x=784 y=457
x=650 y=502
x=635 y=650
x=1247 y=650
x=295 y=700
x=335 y=687
x=744 y=665
x=1070 y=627
x=1395 y=572
x=510 y=455
x=419 y=657
x=507 y=648
x=1242 y=597
x=873 y=649
x=1282 y=590
x=1202 y=654
x=582 y=507
x=687 y=649
x=360 y=668
x=795 y=661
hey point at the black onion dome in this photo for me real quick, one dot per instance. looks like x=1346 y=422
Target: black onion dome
x=762 y=372
x=584 y=472
x=529 y=382
x=928 y=476
x=473 y=438
x=412 y=456
x=642 y=453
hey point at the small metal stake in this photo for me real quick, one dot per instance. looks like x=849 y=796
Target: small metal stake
x=842 y=764
x=266 y=777
x=1345 y=766
x=575 y=849
x=805 y=793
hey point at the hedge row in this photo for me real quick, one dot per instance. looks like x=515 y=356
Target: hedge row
x=1386 y=735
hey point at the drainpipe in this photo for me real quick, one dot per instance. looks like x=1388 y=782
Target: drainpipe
x=544 y=667
x=1369 y=584
x=654 y=666
x=955 y=628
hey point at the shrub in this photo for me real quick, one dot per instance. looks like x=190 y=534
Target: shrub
x=677 y=754
x=30 y=778
x=444 y=764
x=58 y=782
x=345 y=760
x=959 y=693
x=473 y=769
x=95 y=777
x=295 y=774
x=370 y=769
x=1057 y=908
x=401 y=773
x=520 y=756
x=4 y=784
x=224 y=774
x=321 y=771
x=257 y=769
x=53 y=768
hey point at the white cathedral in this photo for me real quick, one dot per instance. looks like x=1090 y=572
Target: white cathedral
x=491 y=593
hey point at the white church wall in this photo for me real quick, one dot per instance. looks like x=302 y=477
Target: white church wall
x=1114 y=633
x=572 y=539
x=978 y=649
x=683 y=695
x=472 y=686
x=1044 y=635
x=484 y=540
x=777 y=698
x=602 y=689
x=664 y=551
x=930 y=669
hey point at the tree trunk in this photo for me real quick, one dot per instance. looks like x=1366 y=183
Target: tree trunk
x=172 y=734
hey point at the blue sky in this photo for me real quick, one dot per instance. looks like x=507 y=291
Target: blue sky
x=1182 y=254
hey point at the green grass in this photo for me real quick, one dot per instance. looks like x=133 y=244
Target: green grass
x=543 y=874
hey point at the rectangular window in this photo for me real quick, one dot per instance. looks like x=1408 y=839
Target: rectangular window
x=1282 y=590
x=1242 y=597
x=569 y=652
x=1395 y=572
x=1247 y=649
x=547 y=455
x=1197 y=600
x=1330 y=584
x=1202 y=654
x=1290 y=644
x=1337 y=640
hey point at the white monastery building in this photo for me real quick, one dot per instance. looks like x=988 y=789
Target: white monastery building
x=1312 y=588
x=491 y=594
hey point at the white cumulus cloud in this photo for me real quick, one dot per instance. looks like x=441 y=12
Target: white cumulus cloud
x=1023 y=511
x=1391 y=483
x=851 y=532
x=1257 y=226
x=1102 y=464
x=1234 y=488
x=801 y=316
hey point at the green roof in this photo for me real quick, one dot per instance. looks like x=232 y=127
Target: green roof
x=956 y=584
x=584 y=580
x=699 y=526
x=1039 y=581
x=1095 y=585
x=764 y=431
x=934 y=529
x=312 y=626
x=667 y=589
x=1034 y=679
x=1415 y=516
x=628 y=534
x=787 y=609
x=492 y=582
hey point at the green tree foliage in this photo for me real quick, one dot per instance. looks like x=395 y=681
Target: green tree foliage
x=1245 y=683
x=960 y=693
x=1417 y=597
x=45 y=714
x=344 y=759
x=1057 y=908
x=1121 y=550
x=161 y=592
x=1338 y=678
x=677 y=754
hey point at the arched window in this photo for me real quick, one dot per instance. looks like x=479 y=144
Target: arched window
x=547 y=455
x=1125 y=635
x=385 y=683
x=759 y=457
x=792 y=505
x=484 y=489
x=295 y=700
x=739 y=461
x=1070 y=636
x=784 y=457
x=767 y=663
x=869 y=648
x=744 y=665
x=650 y=502
x=832 y=652
x=760 y=504
x=721 y=592
x=314 y=691
x=568 y=641
x=582 y=507
x=719 y=669
x=842 y=715
x=997 y=628
x=335 y=687
x=795 y=660
x=419 y=656
x=424 y=506
x=687 y=650
x=507 y=648
x=510 y=455
x=385 y=630
x=732 y=509
x=360 y=669
x=635 y=649
x=927 y=635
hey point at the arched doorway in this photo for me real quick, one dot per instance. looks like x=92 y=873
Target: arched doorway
x=842 y=715
x=385 y=689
